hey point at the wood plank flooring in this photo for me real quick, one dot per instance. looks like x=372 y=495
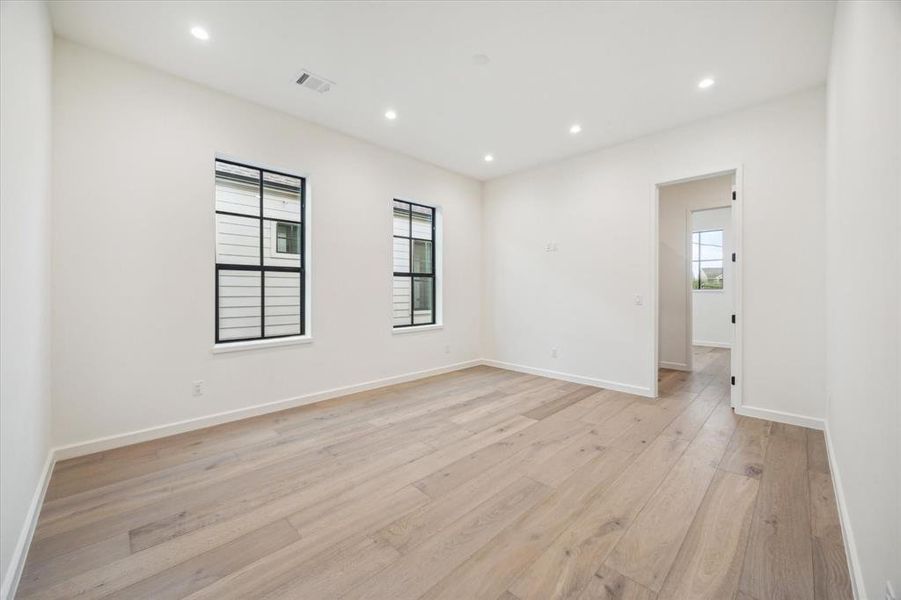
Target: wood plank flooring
x=482 y=483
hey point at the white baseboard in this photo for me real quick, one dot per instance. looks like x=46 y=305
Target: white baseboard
x=665 y=364
x=707 y=344
x=20 y=552
x=159 y=431
x=845 y=520
x=17 y=562
x=780 y=417
x=601 y=383
x=14 y=572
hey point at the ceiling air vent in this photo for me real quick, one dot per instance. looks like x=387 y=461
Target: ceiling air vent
x=314 y=82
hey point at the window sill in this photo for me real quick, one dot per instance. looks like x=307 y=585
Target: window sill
x=254 y=344
x=416 y=328
x=708 y=291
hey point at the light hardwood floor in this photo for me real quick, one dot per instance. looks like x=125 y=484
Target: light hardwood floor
x=482 y=483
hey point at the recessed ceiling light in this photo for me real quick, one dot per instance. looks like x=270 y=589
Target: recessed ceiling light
x=200 y=33
x=390 y=114
x=706 y=83
x=576 y=128
x=489 y=158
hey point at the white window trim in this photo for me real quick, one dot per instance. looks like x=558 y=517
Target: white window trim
x=417 y=328
x=255 y=344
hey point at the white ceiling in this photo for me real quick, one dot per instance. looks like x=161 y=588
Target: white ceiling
x=620 y=69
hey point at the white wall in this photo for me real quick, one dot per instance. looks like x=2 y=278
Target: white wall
x=863 y=224
x=134 y=252
x=597 y=207
x=711 y=309
x=26 y=52
x=677 y=201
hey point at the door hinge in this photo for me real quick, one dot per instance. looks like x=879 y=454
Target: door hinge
x=733 y=380
x=733 y=318
x=733 y=257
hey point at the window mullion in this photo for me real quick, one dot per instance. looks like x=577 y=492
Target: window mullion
x=700 y=258
x=302 y=253
x=262 y=269
x=434 y=278
x=410 y=266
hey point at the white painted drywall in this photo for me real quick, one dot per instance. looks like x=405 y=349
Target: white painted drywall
x=134 y=251
x=597 y=208
x=26 y=53
x=863 y=223
x=677 y=202
x=712 y=309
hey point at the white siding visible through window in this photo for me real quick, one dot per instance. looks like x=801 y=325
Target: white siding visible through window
x=279 y=203
x=239 y=304
x=282 y=304
x=401 y=300
x=238 y=196
x=401 y=254
x=239 y=243
x=260 y=290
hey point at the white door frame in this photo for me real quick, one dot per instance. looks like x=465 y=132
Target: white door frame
x=736 y=282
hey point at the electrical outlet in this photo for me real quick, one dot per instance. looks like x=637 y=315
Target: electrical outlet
x=199 y=388
x=553 y=353
x=639 y=300
x=447 y=349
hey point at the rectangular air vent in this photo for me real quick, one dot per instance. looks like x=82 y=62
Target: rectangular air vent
x=314 y=82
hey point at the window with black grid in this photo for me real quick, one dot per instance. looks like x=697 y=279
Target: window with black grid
x=259 y=253
x=414 y=264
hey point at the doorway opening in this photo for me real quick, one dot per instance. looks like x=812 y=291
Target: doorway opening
x=697 y=281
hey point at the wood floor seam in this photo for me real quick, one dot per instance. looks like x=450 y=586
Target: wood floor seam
x=482 y=483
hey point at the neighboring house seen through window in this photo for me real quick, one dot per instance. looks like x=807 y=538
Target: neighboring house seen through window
x=707 y=260
x=414 y=264
x=259 y=253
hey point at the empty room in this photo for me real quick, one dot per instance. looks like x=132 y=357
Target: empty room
x=501 y=300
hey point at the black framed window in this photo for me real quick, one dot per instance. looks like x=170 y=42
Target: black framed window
x=707 y=260
x=414 y=264
x=260 y=262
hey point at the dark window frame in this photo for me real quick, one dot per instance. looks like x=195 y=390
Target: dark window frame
x=701 y=259
x=289 y=225
x=262 y=268
x=411 y=274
